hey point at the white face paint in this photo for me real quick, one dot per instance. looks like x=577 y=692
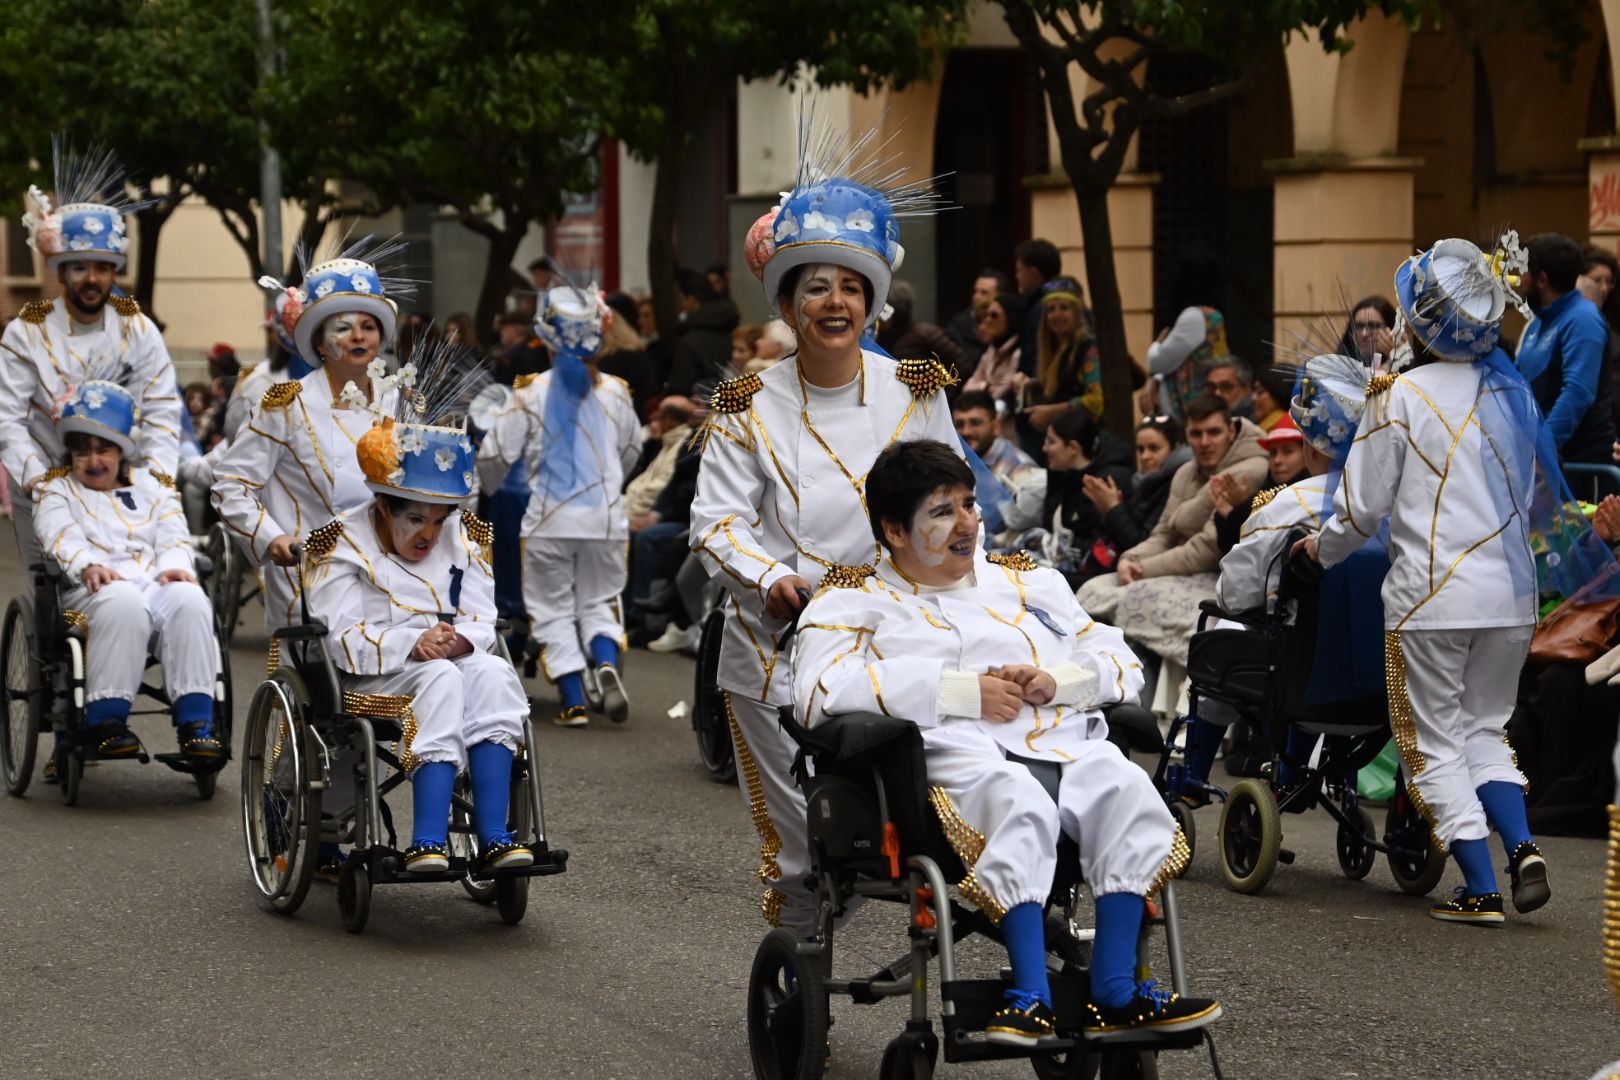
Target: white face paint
x=943 y=528
x=335 y=330
x=816 y=283
x=414 y=529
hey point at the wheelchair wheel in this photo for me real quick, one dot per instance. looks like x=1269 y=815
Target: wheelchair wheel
x=205 y=779
x=24 y=697
x=1065 y=956
x=512 y=893
x=354 y=894
x=709 y=705
x=910 y=1055
x=1355 y=856
x=1251 y=836
x=225 y=583
x=464 y=846
x=69 y=773
x=512 y=899
x=1404 y=827
x=787 y=1011
x=1184 y=818
x=281 y=814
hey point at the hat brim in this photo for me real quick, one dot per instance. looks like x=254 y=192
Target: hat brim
x=1436 y=335
x=1276 y=438
x=56 y=262
x=863 y=261
x=337 y=303
x=83 y=425
x=437 y=498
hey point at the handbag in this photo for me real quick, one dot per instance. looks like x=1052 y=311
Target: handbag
x=1576 y=632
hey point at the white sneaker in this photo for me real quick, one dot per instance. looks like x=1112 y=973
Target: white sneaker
x=674 y=639
x=615 y=702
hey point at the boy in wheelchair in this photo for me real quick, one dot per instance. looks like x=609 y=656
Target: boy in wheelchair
x=405 y=589
x=995 y=661
x=119 y=533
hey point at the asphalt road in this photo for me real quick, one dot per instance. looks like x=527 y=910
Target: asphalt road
x=131 y=944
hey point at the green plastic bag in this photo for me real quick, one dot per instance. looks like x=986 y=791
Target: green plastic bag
x=1376 y=782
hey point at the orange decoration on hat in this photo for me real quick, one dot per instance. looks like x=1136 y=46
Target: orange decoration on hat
x=378 y=452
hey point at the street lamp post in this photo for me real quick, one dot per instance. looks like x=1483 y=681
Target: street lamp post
x=270 y=160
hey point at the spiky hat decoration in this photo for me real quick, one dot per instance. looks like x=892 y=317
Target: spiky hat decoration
x=86 y=220
x=364 y=276
x=422 y=452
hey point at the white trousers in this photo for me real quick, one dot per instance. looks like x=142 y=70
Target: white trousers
x=764 y=762
x=1451 y=693
x=121 y=618
x=457 y=703
x=1108 y=806
x=571 y=589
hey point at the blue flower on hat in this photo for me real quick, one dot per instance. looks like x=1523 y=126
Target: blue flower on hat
x=93 y=226
x=787 y=226
x=861 y=220
x=324 y=288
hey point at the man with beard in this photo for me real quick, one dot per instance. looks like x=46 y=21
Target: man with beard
x=1563 y=354
x=46 y=351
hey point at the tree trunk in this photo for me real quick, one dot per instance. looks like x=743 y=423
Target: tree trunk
x=661 y=258
x=151 y=221
x=1107 y=306
x=498 y=257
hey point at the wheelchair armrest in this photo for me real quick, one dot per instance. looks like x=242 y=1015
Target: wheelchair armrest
x=301 y=632
x=848 y=736
x=49 y=569
x=503 y=626
x=1258 y=618
x=203 y=564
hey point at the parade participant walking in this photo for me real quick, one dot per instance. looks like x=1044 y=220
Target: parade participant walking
x=577 y=432
x=404 y=586
x=780 y=494
x=1453 y=453
x=292 y=467
x=52 y=344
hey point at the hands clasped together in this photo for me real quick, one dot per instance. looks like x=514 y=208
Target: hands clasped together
x=1004 y=691
x=440 y=642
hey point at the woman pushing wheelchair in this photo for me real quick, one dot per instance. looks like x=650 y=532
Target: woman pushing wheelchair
x=995 y=661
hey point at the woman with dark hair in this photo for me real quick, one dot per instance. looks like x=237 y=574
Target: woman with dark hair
x=1078 y=453
x=1369 y=336
x=998 y=327
x=1269 y=395
x=1129 y=513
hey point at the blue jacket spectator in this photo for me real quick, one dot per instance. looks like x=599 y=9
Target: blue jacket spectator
x=1564 y=353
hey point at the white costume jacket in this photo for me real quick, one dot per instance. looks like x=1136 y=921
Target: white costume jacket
x=40 y=361
x=609 y=434
x=1251 y=570
x=883 y=644
x=1433 y=455
x=138 y=531
x=782 y=489
x=291 y=468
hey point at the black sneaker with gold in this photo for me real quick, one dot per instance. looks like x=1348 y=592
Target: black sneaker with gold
x=114 y=741
x=1014 y=1026
x=573 y=716
x=1528 y=871
x=1483 y=910
x=1151 y=1009
x=506 y=855
x=427 y=858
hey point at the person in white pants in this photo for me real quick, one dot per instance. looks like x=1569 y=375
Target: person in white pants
x=995 y=661
x=118 y=531
x=405 y=589
x=780 y=495
x=577 y=431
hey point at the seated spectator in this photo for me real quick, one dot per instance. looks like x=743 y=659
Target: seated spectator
x=519 y=351
x=1563 y=353
x=1069 y=369
x=624 y=353
x=1229 y=379
x=1286 y=456
x=1182 y=354
x=658 y=546
x=1154 y=594
x=978 y=421
x=1129 y=514
x=904 y=337
x=998 y=337
x=775 y=341
x=670 y=428
x=1077 y=450
x=703 y=350
x=1369 y=337
x=744 y=345
x=1599 y=271
x=1270 y=392
x=964 y=325
x=658 y=348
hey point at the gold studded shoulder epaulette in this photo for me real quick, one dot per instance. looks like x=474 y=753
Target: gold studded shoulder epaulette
x=477 y=529
x=164 y=479
x=1018 y=560
x=925 y=377
x=35 y=311
x=320 y=543
x=1381 y=382
x=56 y=474
x=847 y=577
x=1261 y=498
x=734 y=395
x=281 y=395
x=127 y=306
x=524 y=380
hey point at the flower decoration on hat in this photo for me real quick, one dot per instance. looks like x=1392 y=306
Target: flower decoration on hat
x=86 y=220
x=101 y=403
x=423 y=452
x=1329 y=395
x=364 y=277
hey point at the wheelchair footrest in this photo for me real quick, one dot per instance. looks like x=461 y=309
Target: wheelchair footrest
x=977 y=1000
x=181 y=763
x=546 y=863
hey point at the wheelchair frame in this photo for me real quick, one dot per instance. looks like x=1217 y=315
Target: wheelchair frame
x=45 y=692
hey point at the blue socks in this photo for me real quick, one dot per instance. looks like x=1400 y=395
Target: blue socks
x=1023 y=929
x=106 y=711
x=1474 y=860
x=604 y=650
x=490 y=764
x=1113 y=954
x=431 y=787
x=1504 y=809
x=571 y=688
x=194 y=709
x=1203 y=743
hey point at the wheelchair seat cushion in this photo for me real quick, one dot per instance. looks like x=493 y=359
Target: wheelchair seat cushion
x=1232 y=665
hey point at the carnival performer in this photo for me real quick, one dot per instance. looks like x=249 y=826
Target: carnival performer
x=992 y=657
x=119 y=533
x=577 y=431
x=1448 y=452
x=292 y=467
x=404 y=586
x=52 y=344
x=282 y=365
x=781 y=492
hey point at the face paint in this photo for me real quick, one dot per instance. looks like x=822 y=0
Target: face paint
x=333 y=331
x=414 y=531
x=932 y=528
x=816 y=283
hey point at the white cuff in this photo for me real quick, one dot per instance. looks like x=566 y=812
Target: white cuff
x=1076 y=685
x=959 y=695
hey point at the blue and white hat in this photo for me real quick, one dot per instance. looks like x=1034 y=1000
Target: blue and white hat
x=844 y=209
x=1453 y=296
x=101 y=404
x=569 y=321
x=1330 y=393
x=362 y=278
x=423 y=452
x=87 y=222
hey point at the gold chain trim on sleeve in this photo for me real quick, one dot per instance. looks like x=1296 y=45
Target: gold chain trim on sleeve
x=163 y=479
x=925 y=377
x=55 y=474
x=127 y=306
x=968 y=843
x=735 y=395
x=1021 y=561
x=389 y=707
x=272 y=658
x=770 y=842
x=1261 y=498
x=524 y=380
x=281 y=395
x=321 y=541
x=1403 y=721
x=1175 y=863
x=477 y=529
x=771 y=906
x=847 y=577
x=1379 y=383
x=1611 y=907
x=75 y=618
x=35 y=311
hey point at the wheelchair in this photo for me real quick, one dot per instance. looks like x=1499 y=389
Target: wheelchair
x=1263 y=671
x=710 y=722
x=233 y=582
x=302 y=731
x=873 y=834
x=43 y=649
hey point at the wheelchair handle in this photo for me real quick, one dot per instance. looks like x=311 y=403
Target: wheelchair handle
x=805 y=595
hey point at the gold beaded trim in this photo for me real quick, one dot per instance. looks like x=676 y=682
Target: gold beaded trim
x=321 y=541
x=35 y=311
x=126 y=306
x=968 y=843
x=388 y=707
x=272 y=658
x=974 y=892
x=771 y=906
x=770 y=842
x=281 y=395
x=55 y=474
x=1611 y=907
x=1379 y=383
x=524 y=380
x=75 y=618
x=1261 y=498
x=1021 y=561
x=734 y=395
x=1175 y=863
x=477 y=529
x=846 y=577
x=925 y=377
x=1403 y=721
x=163 y=479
